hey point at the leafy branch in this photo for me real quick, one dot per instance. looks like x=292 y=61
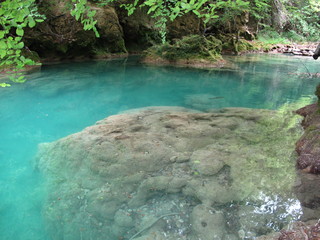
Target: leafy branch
x=81 y=11
x=15 y=15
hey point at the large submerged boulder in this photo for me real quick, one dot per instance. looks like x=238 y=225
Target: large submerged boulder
x=170 y=173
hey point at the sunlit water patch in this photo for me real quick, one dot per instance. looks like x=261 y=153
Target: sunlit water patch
x=63 y=99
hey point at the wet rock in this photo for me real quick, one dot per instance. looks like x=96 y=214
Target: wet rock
x=308 y=193
x=308 y=147
x=123 y=219
x=295 y=231
x=207 y=223
x=203 y=101
x=153 y=185
x=143 y=164
x=295 y=49
x=207 y=162
x=153 y=236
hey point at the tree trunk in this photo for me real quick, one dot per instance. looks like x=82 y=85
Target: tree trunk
x=279 y=15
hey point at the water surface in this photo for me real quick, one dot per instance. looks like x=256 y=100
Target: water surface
x=64 y=98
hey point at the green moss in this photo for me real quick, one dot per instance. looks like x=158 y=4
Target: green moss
x=311 y=128
x=271 y=37
x=232 y=43
x=189 y=47
x=119 y=46
x=317 y=93
x=62 y=48
x=244 y=45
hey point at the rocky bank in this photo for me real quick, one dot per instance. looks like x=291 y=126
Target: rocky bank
x=307 y=183
x=308 y=163
x=172 y=173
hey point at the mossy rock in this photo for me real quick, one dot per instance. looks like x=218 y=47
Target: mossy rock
x=61 y=36
x=189 y=47
x=185 y=25
x=244 y=46
x=236 y=45
x=317 y=93
x=139 y=29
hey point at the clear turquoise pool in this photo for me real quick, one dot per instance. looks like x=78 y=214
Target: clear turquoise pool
x=64 y=98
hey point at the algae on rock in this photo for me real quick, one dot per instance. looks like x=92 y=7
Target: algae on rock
x=112 y=179
x=190 y=50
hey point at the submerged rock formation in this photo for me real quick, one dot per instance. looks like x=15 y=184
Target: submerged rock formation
x=154 y=172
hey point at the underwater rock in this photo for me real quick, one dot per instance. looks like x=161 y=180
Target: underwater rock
x=296 y=231
x=206 y=162
x=164 y=165
x=207 y=223
x=203 y=102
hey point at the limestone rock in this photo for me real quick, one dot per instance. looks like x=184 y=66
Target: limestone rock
x=185 y=25
x=139 y=29
x=110 y=178
x=207 y=162
x=207 y=224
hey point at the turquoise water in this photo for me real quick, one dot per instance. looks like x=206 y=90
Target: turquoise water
x=65 y=98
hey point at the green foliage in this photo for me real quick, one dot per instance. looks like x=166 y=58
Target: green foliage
x=164 y=11
x=260 y=9
x=211 y=12
x=304 y=24
x=81 y=11
x=270 y=36
x=304 y=21
x=230 y=9
x=15 y=15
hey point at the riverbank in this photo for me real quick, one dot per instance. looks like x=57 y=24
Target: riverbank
x=307 y=183
x=298 y=49
x=211 y=53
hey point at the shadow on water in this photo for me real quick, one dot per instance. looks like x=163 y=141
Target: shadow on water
x=63 y=99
